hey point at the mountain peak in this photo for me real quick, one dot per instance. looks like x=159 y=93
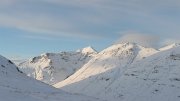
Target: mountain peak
x=7 y=67
x=88 y=49
x=126 y=43
x=169 y=46
x=55 y=67
x=124 y=46
x=133 y=44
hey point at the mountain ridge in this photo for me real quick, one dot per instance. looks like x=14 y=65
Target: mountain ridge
x=16 y=86
x=54 y=67
x=119 y=74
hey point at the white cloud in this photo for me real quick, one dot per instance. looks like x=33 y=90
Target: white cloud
x=43 y=25
x=139 y=38
x=87 y=14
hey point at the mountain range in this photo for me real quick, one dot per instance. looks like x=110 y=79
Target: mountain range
x=51 y=68
x=121 y=72
x=129 y=72
x=16 y=86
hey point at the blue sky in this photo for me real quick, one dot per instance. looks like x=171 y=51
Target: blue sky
x=31 y=27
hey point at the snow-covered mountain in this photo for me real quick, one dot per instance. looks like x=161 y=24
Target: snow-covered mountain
x=16 y=86
x=169 y=46
x=55 y=67
x=129 y=72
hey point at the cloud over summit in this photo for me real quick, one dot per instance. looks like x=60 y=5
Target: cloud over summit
x=142 y=39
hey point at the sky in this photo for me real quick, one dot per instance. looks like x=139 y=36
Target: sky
x=31 y=27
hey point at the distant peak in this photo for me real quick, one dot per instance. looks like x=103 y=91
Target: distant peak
x=126 y=44
x=169 y=46
x=175 y=44
x=47 y=54
x=88 y=49
x=133 y=44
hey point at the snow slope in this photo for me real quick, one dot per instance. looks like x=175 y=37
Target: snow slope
x=16 y=86
x=55 y=67
x=129 y=72
x=169 y=46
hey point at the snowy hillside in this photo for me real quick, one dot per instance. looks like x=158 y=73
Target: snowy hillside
x=129 y=72
x=55 y=67
x=16 y=86
x=170 y=46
